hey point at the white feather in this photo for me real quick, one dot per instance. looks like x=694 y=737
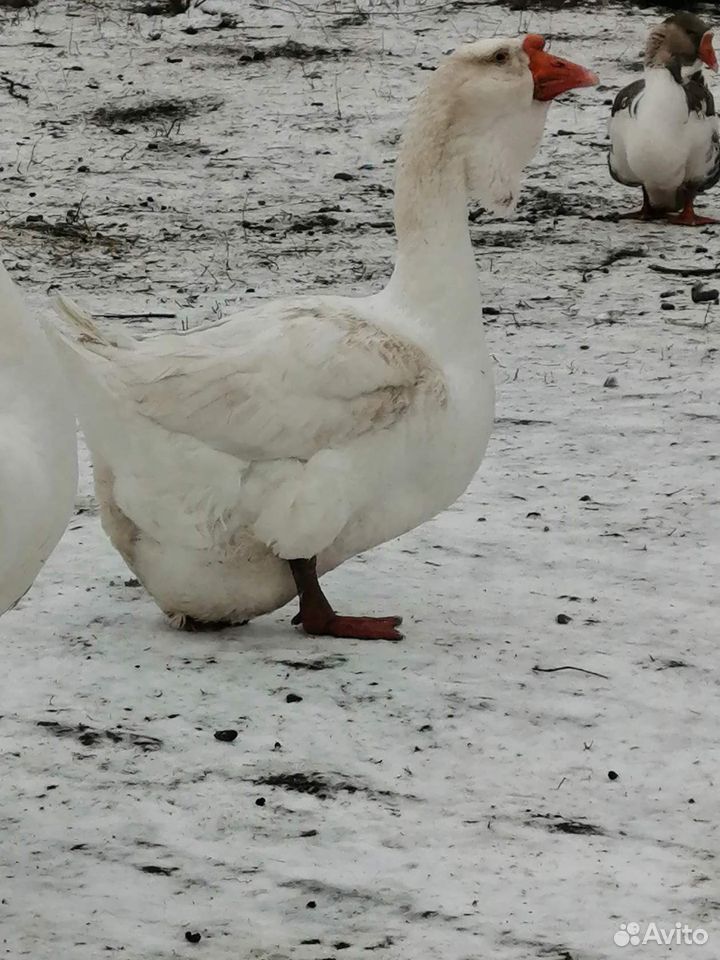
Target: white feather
x=38 y=448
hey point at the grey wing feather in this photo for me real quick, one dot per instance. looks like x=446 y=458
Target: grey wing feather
x=627 y=98
x=701 y=101
x=624 y=110
x=699 y=98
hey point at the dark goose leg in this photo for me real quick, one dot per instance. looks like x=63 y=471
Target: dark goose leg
x=318 y=617
x=646 y=212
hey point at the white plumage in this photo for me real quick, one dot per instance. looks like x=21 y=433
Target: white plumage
x=267 y=436
x=38 y=448
x=316 y=426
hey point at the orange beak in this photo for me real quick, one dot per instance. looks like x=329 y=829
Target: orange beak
x=706 y=51
x=552 y=75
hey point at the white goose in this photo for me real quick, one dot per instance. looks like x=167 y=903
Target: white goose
x=236 y=464
x=38 y=447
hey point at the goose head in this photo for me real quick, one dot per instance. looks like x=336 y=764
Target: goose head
x=683 y=43
x=471 y=133
x=486 y=105
x=503 y=74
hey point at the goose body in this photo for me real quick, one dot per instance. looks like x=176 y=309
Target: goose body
x=300 y=428
x=235 y=463
x=38 y=447
x=664 y=134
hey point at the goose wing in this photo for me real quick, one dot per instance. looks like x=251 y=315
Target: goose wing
x=283 y=380
x=704 y=154
x=624 y=112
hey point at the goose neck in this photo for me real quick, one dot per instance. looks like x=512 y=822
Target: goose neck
x=435 y=266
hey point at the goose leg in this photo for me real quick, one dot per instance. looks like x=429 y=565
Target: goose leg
x=646 y=212
x=688 y=217
x=319 y=619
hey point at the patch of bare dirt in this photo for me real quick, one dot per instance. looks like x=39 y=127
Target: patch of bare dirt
x=146 y=112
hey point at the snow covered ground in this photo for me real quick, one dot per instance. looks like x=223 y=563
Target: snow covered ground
x=451 y=796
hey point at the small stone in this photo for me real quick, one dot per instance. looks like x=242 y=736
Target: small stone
x=260 y=802
x=563 y=618
x=343 y=176
x=691 y=800
x=700 y=295
x=83 y=169
x=612 y=775
x=227 y=736
x=293 y=698
x=192 y=936
x=311 y=904
x=666 y=305
x=610 y=381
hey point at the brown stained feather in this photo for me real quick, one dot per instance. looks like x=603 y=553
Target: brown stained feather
x=395 y=351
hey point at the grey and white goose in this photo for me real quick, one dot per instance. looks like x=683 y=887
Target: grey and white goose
x=663 y=130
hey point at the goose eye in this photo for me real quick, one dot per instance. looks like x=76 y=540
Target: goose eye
x=501 y=57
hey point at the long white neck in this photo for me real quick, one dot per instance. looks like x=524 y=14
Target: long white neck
x=435 y=267
x=435 y=283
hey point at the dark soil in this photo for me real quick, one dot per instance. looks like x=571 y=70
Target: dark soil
x=90 y=736
x=164 y=8
x=153 y=111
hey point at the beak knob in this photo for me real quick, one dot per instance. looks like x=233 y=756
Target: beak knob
x=553 y=75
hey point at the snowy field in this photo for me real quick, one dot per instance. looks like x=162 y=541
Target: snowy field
x=455 y=796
